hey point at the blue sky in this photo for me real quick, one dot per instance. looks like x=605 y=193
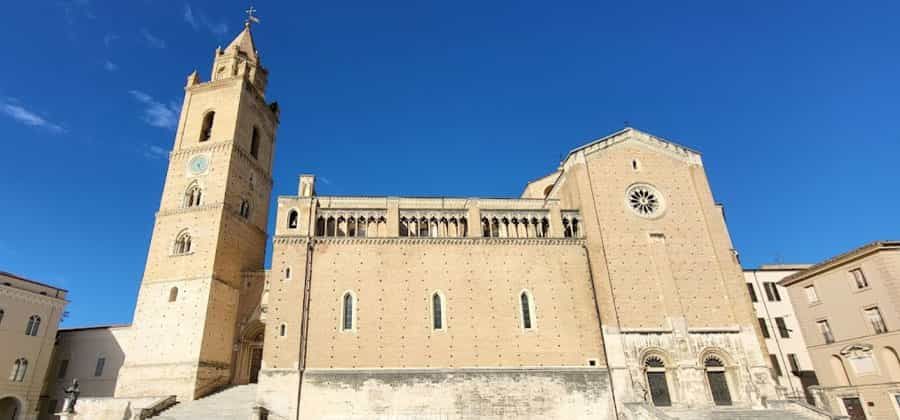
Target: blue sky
x=794 y=106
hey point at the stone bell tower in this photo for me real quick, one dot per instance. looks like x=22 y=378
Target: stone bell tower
x=210 y=228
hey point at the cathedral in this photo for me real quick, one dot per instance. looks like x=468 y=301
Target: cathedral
x=609 y=289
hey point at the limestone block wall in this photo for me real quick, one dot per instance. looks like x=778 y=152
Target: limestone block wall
x=392 y=281
x=649 y=257
x=673 y=269
x=279 y=379
x=549 y=393
x=482 y=279
x=222 y=97
x=163 y=344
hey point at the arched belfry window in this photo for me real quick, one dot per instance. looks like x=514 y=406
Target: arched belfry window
x=34 y=325
x=527 y=304
x=347 y=318
x=287 y=273
x=182 y=244
x=206 y=128
x=173 y=294
x=254 y=143
x=293 y=219
x=20 y=367
x=193 y=196
x=1 y=316
x=437 y=311
x=655 y=370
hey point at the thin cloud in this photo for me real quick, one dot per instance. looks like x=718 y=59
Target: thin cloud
x=324 y=180
x=154 y=152
x=73 y=9
x=13 y=110
x=200 y=21
x=110 y=66
x=108 y=39
x=155 y=113
x=153 y=41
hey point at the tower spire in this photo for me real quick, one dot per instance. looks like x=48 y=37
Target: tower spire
x=240 y=58
x=251 y=19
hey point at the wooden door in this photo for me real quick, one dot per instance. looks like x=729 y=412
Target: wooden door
x=255 y=364
x=659 y=389
x=719 y=387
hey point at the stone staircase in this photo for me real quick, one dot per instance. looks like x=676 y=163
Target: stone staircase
x=235 y=403
x=732 y=414
x=778 y=410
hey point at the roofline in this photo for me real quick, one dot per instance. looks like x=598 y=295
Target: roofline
x=421 y=197
x=94 y=327
x=848 y=256
x=557 y=172
x=18 y=277
x=618 y=133
x=770 y=267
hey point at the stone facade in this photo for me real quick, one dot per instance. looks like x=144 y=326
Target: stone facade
x=849 y=312
x=92 y=355
x=611 y=281
x=612 y=288
x=29 y=316
x=209 y=231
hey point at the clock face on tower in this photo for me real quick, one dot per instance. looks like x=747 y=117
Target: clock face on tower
x=198 y=164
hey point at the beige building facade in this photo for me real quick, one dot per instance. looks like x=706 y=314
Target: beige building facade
x=610 y=286
x=849 y=312
x=29 y=317
x=791 y=365
x=92 y=355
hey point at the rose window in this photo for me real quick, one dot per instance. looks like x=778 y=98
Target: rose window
x=644 y=200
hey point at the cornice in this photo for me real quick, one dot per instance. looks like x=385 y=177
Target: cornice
x=183 y=210
x=428 y=204
x=213 y=146
x=657 y=143
x=211 y=279
x=31 y=297
x=591 y=370
x=290 y=240
x=840 y=259
x=295 y=240
x=220 y=146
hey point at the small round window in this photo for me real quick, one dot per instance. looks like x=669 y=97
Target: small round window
x=644 y=200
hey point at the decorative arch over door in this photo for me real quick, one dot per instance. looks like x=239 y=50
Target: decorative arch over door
x=251 y=353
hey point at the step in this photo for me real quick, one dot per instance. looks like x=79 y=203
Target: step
x=229 y=404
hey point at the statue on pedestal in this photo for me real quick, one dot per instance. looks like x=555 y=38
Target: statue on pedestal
x=72 y=393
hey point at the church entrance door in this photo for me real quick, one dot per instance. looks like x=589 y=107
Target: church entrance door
x=255 y=363
x=9 y=408
x=659 y=389
x=719 y=387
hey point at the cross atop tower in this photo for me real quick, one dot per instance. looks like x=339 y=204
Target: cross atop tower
x=251 y=19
